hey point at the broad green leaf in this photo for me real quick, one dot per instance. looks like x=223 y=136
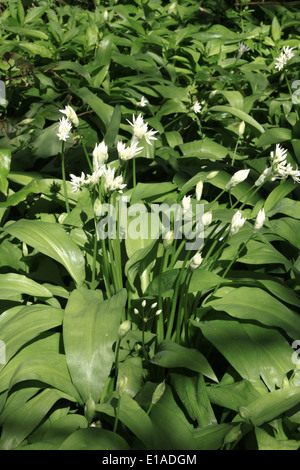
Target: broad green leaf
x=144 y=191
x=232 y=396
x=192 y=392
x=34 y=14
x=276 y=29
x=274 y=136
x=280 y=191
x=75 y=67
x=132 y=369
x=206 y=149
x=139 y=262
x=267 y=442
x=27 y=325
x=270 y=406
x=253 y=351
x=288 y=229
x=90 y=329
x=172 y=355
x=5 y=158
x=94 y=439
x=20 y=423
x=211 y=437
x=103 y=110
x=132 y=416
x=172 y=430
x=104 y=50
x=13 y=284
x=113 y=127
x=203 y=280
x=48 y=369
x=266 y=309
x=239 y=114
x=21 y=11
x=37 y=49
x=53 y=241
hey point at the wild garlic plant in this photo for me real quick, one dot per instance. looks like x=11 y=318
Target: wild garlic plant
x=174 y=264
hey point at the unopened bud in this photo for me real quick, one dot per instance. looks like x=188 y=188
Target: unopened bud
x=168 y=239
x=260 y=220
x=237 y=178
x=123 y=329
x=122 y=385
x=158 y=392
x=242 y=128
x=195 y=261
x=207 y=219
x=89 y=409
x=199 y=189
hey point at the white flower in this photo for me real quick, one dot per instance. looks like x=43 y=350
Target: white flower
x=186 y=204
x=143 y=102
x=242 y=48
x=260 y=220
x=105 y=15
x=144 y=303
x=140 y=129
x=237 y=222
x=195 y=262
x=284 y=57
x=241 y=128
x=158 y=312
x=279 y=156
x=111 y=183
x=127 y=153
x=168 y=239
x=94 y=178
x=71 y=115
x=65 y=127
x=196 y=107
x=207 y=219
x=100 y=155
x=237 y=178
x=77 y=182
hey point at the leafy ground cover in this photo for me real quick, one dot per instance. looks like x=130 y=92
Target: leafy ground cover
x=130 y=336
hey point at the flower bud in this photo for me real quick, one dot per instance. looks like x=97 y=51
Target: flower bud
x=199 y=189
x=168 y=239
x=135 y=311
x=237 y=222
x=207 y=219
x=186 y=203
x=158 y=312
x=195 y=261
x=260 y=220
x=158 y=392
x=89 y=409
x=241 y=128
x=123 y=329
x=122 y=385
x=71 y=115
x=144 y=303
x=237 y=178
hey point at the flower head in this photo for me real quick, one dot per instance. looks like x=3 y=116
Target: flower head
x=100 y=155
x=143 y=102
x=111 y=183
x=127 y=153
x=186 y=204
x=284 y=57
x=140 y=129
x=237 y=222
x=196 y=107
x=77 y=182
x=65 y=127
x=71 y=115
x=242 y=49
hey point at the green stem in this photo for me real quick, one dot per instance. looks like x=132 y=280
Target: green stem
x=117 y=414
x=63 y=171
x=85 y=152
x=134 y=172
x=289 y=88
x=95 y=250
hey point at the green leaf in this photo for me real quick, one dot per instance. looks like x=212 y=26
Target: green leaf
x=94 y=439
x=232 y=396
x=192 y=391
x=34 y=14
x=267 y=442
x=253 y=351
x=48 y=369
x=211 y=437
x=274 y=136
x=282 y=190
x=203 y=280
x=27 y=325
x=103 y=110
x=204 y=149
x=239 y=114
x=172 y=355
x=90 y=329
x=271 y=405
x=276 y=29
x=53 y=241
x=288 y=229
x=21 y=11
x=266 y=309
x=144 y=191
x=22 y=421
x=12 y=284
x=5 y=159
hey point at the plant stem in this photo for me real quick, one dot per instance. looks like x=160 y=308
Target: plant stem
x=117 y=415
x=63 y=171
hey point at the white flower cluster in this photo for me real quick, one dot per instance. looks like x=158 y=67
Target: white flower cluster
x=140 y=129
x=196 y=107
x=279 y=168
x=242 y=49
x=111 y=183
x=66 y=123
x=284 y=57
